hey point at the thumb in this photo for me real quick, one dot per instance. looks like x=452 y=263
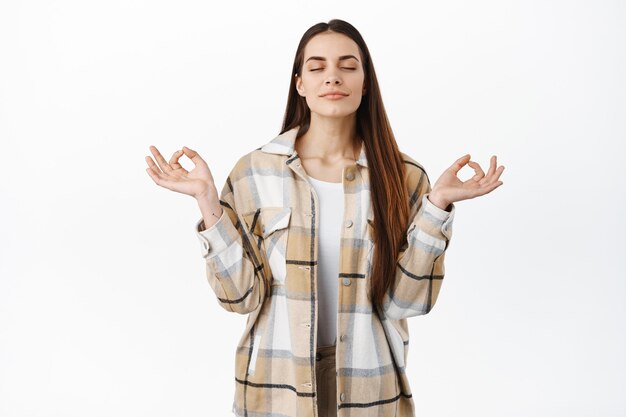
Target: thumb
x=191 y=154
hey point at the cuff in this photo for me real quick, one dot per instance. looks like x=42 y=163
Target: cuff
x=217 y=237
x=434 y=220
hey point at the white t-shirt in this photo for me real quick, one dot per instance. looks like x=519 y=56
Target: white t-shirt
x=331 y=206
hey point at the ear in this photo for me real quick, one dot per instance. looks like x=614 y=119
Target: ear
x=299 y=86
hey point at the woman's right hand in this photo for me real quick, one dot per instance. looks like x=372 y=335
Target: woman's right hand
x=197 y=183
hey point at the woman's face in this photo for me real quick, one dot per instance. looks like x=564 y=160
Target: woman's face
x=332 y=63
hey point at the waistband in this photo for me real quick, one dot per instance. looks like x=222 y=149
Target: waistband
x=326 y=348
x=325 y=352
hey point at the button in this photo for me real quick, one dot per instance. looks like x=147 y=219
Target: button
x=346 y=281
x=318 y=356
x=342 y=397
x=348 y=223
x=350 y=176
x=342 y=337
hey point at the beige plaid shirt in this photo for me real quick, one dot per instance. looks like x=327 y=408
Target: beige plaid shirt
x=268 y=231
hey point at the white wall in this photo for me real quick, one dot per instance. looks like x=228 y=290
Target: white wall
x=104 y=305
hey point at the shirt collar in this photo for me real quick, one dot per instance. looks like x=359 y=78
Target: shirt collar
x=284 y=144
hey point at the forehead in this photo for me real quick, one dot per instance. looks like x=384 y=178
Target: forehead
x=331 y=45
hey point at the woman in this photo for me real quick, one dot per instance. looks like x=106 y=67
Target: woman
x=329 y=238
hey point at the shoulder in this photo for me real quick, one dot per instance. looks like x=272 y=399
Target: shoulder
x=417 y=181
x=415 y=172
x=255 y=180
x=256 y=162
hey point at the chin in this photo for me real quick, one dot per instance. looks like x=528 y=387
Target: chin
x=334 y=111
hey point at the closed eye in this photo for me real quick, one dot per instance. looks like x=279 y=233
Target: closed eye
x=319 y=69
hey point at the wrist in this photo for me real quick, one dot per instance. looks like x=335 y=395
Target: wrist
x=209 y=193
x=435 y=198
x=209 y=203
x=211 y=210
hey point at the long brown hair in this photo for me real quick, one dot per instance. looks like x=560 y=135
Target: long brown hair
x=390 y=199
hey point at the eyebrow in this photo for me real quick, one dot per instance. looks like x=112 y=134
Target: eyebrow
x=321 y=58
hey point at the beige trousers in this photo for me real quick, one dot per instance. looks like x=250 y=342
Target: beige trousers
x=326 y=381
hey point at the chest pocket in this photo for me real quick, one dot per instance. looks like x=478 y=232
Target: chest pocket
x=270 y=225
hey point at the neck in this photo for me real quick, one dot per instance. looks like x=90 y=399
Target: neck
x=330 y=139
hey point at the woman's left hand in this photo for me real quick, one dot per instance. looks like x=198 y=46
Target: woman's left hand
x=449 y=188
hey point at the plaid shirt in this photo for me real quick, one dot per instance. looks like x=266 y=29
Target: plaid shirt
x=269 y=231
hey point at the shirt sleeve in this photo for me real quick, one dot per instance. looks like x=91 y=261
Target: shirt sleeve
x=234 y=264
x=420 y=268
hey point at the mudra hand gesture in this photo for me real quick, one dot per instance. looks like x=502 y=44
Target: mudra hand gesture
x=171 y=175
x=449 y=188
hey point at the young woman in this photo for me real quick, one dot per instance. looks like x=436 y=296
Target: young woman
x=329 y=238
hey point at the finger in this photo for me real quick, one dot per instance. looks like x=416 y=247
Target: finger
x=153 y=166
x=479 y=171
x=160 y=160
x=485 y=189
x=174 y=160
x=488 y=180
x=499 y=172
x=160 y=180
x=493 y=186
x=492 y=166
x=153 y=174
x=459 y=163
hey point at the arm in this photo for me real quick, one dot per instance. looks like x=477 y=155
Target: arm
x=420 y=268
x=234 y=265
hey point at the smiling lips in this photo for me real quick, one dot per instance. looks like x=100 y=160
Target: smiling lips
x=334 y=95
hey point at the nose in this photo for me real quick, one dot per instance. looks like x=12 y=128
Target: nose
x=333 y=79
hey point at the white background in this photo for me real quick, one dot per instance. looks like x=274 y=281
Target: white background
x=105 y=309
